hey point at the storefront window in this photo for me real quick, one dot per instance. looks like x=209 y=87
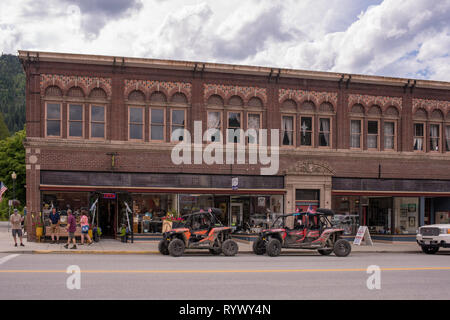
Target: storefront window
x=406 y=210
x=190 y=203
x=149 y=209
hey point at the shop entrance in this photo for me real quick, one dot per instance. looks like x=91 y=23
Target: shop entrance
x=107 y=215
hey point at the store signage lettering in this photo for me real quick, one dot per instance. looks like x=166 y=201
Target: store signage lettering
x=109 y=196
x=215 y=152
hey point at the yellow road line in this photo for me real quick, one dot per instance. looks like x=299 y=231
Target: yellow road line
x=230 y=271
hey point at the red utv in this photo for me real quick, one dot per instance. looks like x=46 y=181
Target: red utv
x=311 y=231
x=200 y=230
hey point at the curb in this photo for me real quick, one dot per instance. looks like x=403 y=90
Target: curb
x=153 y=252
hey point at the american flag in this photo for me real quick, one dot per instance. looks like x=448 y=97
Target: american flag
x=311 y=209
x=3 y=188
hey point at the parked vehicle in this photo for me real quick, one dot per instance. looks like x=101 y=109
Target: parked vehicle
x=431 y=238
x=311 y=231
x=199 y=230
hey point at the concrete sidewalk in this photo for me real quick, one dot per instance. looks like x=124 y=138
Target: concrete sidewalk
x=108 y=246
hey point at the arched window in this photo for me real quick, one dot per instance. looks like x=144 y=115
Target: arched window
x=136 y=96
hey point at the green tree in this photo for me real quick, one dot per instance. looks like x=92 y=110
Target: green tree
x=12 y=159
x=12 y=92
x=4 y=132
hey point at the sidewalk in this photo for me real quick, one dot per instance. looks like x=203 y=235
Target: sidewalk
x=108 y=246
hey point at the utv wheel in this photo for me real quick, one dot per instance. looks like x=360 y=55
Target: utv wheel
x=215 y=251
x=430 y=249
x=273 y=247
x=325 y=252
x=163 y=247
x=342 y=248
x=259 y=247
x=229 y=247
x=176 y=247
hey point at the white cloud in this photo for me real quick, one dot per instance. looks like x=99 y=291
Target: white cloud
x=391 y=38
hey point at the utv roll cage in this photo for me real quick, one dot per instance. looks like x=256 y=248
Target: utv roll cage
x=310 y=220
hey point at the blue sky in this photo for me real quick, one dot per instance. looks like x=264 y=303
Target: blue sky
x=408 y=38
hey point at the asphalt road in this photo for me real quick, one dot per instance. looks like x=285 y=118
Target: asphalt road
x=203 y=277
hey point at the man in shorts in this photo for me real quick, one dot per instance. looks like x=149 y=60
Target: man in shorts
x=54 y=227
x=16 y=223
x=71 y=228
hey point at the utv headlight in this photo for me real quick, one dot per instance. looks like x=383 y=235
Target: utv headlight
x=444 y=231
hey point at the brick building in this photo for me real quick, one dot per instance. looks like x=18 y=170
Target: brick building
x=101 y=127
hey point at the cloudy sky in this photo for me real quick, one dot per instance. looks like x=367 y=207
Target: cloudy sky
x=408 y=38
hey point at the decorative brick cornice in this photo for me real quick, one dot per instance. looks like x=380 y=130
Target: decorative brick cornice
x=169 y=88
x=84 y=82
x=430 y=105
x=226 y=92
x=301 y=96
x=368 y=100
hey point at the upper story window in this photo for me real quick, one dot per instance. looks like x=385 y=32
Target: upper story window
x=372 y=134
x=306 y=131
x=234 y=127
x=253 y=127
x=324 y=132
x=389 y=135
x=136 y=123
x=214 y=126
x=447 y=138
x=419 y=136
x=76 y=116
x=53 y=119
x=178 y=118
x=355 y=134
x=287 y=130
x=435 y=137
x=98 y=122
x=157 y=124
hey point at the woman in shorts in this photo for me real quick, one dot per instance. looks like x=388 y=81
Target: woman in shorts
x=84 y=222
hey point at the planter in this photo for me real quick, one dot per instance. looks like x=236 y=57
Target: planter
x=39 y=231
x=166 y=226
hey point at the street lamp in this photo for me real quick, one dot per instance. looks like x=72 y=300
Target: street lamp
x=14 y=177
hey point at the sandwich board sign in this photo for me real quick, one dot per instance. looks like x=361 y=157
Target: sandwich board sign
x=363 y=233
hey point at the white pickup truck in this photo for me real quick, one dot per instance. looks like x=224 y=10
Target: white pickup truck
x=431 y=238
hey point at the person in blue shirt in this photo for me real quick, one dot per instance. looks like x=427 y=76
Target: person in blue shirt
x=54 y=227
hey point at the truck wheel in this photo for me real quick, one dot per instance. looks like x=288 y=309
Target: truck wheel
x=273 y=247
x=259 y=247
x=229 y=247
x=176 y=247
x=325 y=252
x=215 y=251
x=430 y=249
x=342 y=248
x=163 y=247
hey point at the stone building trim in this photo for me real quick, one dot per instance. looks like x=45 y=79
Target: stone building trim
x=300 y=96
x=86 y=83
x=169 y=88
x=227 y=91
x=431 y=105
x=367 y=101
x=310 y=167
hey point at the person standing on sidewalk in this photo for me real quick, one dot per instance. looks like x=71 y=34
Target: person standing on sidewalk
x=16 y=223
x=54 y=228
x=71 y=228
x=84 y=222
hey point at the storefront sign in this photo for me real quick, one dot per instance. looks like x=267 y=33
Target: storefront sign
x=109 y=195
x=234 y=183
x=363 y=233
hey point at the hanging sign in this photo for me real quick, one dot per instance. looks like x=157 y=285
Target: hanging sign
x=234 y=183
x=363 y=233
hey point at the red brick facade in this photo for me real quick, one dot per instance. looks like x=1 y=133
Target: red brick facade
x=119 y=83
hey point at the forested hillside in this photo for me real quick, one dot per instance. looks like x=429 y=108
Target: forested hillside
x=12 y=94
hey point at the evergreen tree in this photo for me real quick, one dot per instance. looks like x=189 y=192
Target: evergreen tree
x=4 y=132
